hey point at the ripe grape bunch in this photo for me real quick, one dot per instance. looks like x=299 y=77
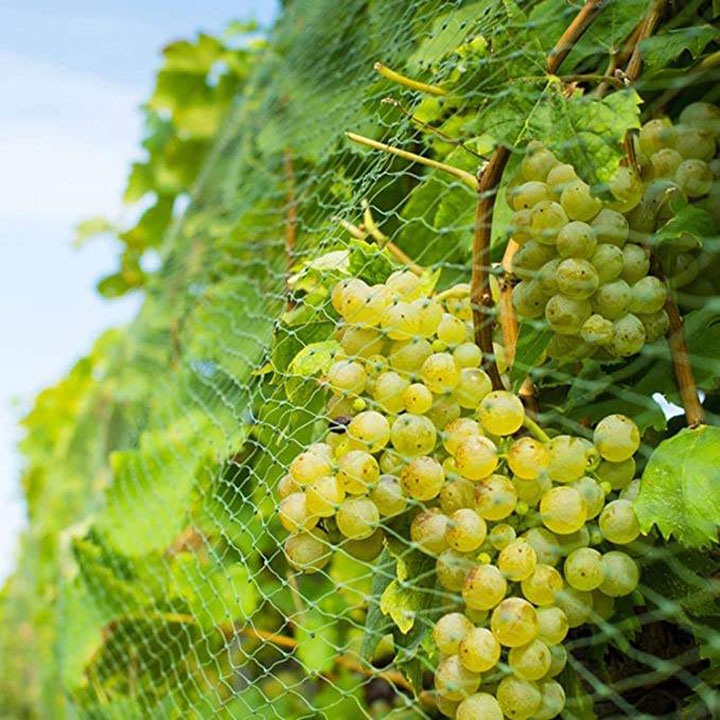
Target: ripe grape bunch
x=523 y=528
x=584 y=262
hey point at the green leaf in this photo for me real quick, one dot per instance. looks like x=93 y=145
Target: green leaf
x=689 y=220
x=308 y=363
x=376 y=625
x=318 y=642
x=197 y=57
x=679 y=490
x=579 y=703
x=533 y=339
x=92 y=227
x=659 y=51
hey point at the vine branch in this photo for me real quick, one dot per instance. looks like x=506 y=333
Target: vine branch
x=655 y=11
x=574 y=32
x=401 y=79
x=480 y=295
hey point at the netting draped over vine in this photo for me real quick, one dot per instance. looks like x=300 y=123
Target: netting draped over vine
x=153 y=580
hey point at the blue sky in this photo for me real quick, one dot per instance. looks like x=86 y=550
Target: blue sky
x=74 y=73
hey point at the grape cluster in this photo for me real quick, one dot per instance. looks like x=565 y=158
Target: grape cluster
x=583 y=262
x=523 y=531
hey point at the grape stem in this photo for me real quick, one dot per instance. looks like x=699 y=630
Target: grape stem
x=508 y=319
x=654 y=13
x=371 y=225
x=535 y=430
x=400 y=79
x=572 y=34
x=480 y=294
x=610 y=79
x=468 y=178
x=291 y=226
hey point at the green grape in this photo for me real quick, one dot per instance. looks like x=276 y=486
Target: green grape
x=531 y=661
x=350 y=297
x=546 y=279
x=518 y=698
x=466 y=530
x=441 y=372
x=584 y=569
x=577 y=279
x=308 y=552
x=530 y=258
x=611 y=227
x=558 y=660
x=391 y=463
x=572 y=541
x=530 y=491
x=459 y=430
x=454 y=681
x=479 y=651
x=608 y=262
x=457 y=301
x=501 y=535
x=656 y=325
x=428 y=530
x=449 y=630
x=661 y=196
x=553 y=624
x=559 y=177
x=597 y=330
x=694 y=144
x=694 y=178
x=648 y=295
x=484 y=587
x=543 y=585
x=287 y=485
x=347 y=376
x=452 y=568
x=657 y=134
x=476 y=457
x=517 y=561
x=451 y=330
x=628 y=336
x=361 y=341
x=529 y=299
x=468 y=354
x=565 y=315
x=577 y=201
x=546 y=220
x=613 y=299
x=603 y=606
x=702 y=116
x=431 y=313
x=447 y=707
x=413 y=435
x=527 y=458
x=422 y=478
x=627 y=188
x=357 y=518
x=336 y=296
x=366 y=549
x=641 y=220
x=495 y=497
x=401 y=321
x=545 y=545
x=409 y=356
x=621 y=574
x=311 y=465
x=417 y=399
x=514 y=622
x=618 y=474
x=405 y=285
x=537 y=164
x=388 y=391
x=576 y=240
x=553 y=700
x=294 y=515
x=563 y=510
x=576 y=604
x=665 y=162
x=474 y=385
x=323 y=496
x=592 y=494
x=529 y=194
x=388 y=496
x=444 y=410
x=617 y=438
x=618 y=522
x=357 y=471
x=480 y=706
x=519 y=226
x=501 y=413
x=570 y=458
x=636 y=263
x=370 y=429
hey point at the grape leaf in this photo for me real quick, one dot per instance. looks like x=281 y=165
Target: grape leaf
x=532 y=342
x=659 y=51
x=376 y=625
x=680 y=484
x=689 y=220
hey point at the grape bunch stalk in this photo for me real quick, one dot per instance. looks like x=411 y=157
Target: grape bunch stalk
x=584 y=260
x=523 y=527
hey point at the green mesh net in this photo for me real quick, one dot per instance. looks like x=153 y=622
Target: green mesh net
x=180 y=561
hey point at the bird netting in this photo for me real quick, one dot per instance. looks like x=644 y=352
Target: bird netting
x=416 y=419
